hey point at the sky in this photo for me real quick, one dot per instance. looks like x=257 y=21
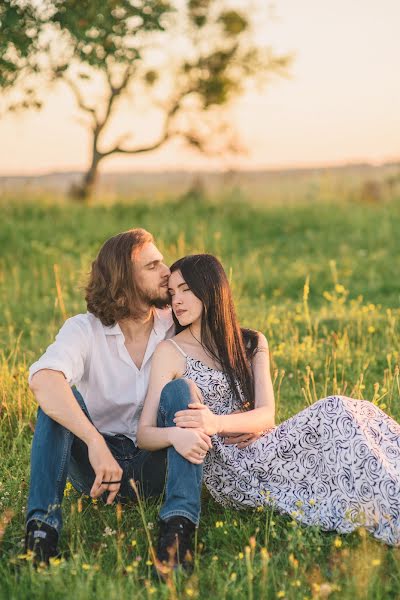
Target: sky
x=339 y=105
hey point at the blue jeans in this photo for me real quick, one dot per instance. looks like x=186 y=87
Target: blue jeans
x=57 y=454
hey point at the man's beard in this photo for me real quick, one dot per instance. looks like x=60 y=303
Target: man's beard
x=154 y=299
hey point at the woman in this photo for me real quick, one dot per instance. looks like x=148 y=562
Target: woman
x=336 y=464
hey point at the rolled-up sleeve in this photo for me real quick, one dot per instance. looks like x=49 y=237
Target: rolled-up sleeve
x=69 y=353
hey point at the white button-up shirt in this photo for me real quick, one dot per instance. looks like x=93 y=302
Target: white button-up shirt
x=94 y=358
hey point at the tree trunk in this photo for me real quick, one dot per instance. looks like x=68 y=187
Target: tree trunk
x=82 y=192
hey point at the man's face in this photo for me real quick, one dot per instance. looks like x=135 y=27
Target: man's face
x=151 y=275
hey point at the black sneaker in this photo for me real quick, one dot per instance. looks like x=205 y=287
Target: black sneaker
x=175 y=545
x=41 y=539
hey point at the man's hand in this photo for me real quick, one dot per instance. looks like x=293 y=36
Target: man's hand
x=242 y=439
x=192 y=445
x=106 y=469
x=198 y=416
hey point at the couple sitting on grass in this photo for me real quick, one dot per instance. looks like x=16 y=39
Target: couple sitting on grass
x=157 y=383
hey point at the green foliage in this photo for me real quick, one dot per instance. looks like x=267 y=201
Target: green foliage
x=18 y=30
x=19 y=34
x=104 y=32
x=234 y=23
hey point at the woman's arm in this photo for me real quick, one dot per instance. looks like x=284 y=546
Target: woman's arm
x=166 y=366
x=262 y=417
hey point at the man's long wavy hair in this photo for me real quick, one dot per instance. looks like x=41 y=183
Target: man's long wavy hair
x=112 y=293
x=221 y=336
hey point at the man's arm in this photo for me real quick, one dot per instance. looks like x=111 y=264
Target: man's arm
x=56 y=399
x=62 y=365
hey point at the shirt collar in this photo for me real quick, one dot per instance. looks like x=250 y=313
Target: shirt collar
x=112 y=329
x=162 y=321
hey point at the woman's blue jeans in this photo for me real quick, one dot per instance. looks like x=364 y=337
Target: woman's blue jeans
x=57 y=454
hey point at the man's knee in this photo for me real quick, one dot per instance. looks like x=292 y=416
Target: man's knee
x=175 y=395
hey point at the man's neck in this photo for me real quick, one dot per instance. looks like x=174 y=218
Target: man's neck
x=132 y=328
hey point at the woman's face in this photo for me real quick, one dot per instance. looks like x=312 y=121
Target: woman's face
x=186 y=306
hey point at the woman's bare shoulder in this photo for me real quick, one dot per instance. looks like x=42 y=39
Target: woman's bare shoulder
x=262 y=341
x=167 y=350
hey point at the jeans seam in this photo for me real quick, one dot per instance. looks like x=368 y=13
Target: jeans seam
x=68 y=435
x=162 y=411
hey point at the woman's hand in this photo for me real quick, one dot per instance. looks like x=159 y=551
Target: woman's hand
x=192 y=445
x=198 y=416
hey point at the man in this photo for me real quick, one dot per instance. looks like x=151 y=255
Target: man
x=88 y=433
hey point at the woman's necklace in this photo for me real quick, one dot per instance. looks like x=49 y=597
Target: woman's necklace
x=208 y=353
x=193 y=336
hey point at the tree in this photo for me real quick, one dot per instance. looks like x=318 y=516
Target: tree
x=19 y=37
x=187 y=59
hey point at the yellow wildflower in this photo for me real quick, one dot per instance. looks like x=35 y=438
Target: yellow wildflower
x=67 y=489
x=338 y=542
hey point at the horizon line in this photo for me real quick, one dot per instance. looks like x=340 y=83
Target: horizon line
x=395 y=161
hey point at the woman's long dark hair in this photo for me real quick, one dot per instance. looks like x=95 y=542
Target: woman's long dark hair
x=221 y=335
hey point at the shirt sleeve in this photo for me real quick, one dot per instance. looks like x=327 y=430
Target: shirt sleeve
x=69 y=352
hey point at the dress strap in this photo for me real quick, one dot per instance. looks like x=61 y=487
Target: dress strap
x=178 y=348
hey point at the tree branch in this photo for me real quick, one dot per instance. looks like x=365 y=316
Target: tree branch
x=79 y=99
x=166 y=134
x=114 y=93
x=118 y=150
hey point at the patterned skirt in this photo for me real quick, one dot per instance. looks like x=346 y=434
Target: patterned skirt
x=336 y=464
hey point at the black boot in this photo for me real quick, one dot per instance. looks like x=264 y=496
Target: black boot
x=175 y=545
x=41 y=539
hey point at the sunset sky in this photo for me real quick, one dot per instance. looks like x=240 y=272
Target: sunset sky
x=341 y=103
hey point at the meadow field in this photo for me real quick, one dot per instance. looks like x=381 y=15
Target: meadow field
x=319 y=278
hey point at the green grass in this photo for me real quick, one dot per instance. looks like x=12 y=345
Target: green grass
x=319 y=279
